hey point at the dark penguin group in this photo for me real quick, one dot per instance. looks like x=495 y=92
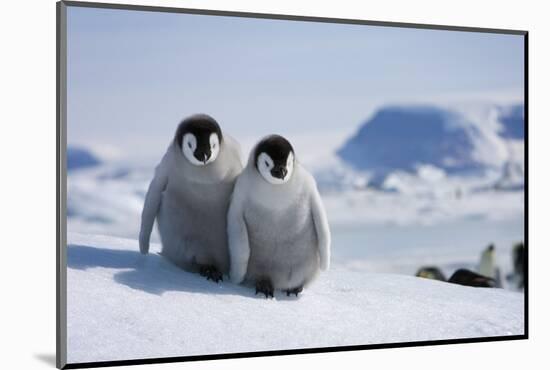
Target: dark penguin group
x=488 y=275
x=460 y=276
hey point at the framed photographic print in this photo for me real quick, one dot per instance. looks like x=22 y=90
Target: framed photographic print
x=236 y=185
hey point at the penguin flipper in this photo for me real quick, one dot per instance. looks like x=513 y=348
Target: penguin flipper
x=321 y=227
x=151 y=205
x=237 y=232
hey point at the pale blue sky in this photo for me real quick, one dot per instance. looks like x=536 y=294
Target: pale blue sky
x=132 y=76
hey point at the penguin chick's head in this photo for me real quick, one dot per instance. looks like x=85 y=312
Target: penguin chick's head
x=274 y=159
x=199 y=138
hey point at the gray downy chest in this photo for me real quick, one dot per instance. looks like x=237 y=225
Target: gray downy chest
x=279 y=223
x=198 y=199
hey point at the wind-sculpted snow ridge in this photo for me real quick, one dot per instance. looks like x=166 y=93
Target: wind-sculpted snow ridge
x=469 y=140
x=512 y=119
x=400 y=138
x=123 y=305
x=80 y=158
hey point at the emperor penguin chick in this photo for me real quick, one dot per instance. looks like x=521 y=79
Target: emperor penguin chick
x=189 y=197
x=278 y=232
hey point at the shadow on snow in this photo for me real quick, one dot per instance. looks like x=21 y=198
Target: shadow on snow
x=152 y=273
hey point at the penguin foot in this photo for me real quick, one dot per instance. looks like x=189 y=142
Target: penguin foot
x=211 y=273
x=294 y=291
x=264 y=286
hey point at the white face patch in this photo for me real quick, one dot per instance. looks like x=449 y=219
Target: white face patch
x=189 y=145
x=265 y=166
x=290 y=164
x=214 y=147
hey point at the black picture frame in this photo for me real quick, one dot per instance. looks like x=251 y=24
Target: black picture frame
x=61 y=186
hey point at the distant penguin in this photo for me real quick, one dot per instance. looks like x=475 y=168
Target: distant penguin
x=487 y=262
x=518 y=263
x=431 y=272
x=189 y=197
x=470 y=278
x=278 y=232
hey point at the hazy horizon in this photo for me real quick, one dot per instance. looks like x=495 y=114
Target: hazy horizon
x=133 y=75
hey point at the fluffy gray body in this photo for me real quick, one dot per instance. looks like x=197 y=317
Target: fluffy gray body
x=190 y=204
x=278 y=232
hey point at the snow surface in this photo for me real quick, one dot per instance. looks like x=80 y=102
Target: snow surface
x=124 y=305
x=421 y=212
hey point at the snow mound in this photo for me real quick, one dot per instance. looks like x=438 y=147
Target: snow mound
x=400 y=138
x=80 y=158
x=460 y=140
x=124 y=305
x=107 y=199
x=512 y=119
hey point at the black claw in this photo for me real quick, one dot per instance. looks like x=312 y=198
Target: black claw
x=211 y=273
x=294 y=291
x=265 y=287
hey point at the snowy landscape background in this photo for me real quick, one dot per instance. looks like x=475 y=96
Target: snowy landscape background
x=396 y=217
x=415 y=137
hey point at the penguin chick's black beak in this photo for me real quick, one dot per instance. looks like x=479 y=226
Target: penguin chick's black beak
x=202 y=156
x=279 y=172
